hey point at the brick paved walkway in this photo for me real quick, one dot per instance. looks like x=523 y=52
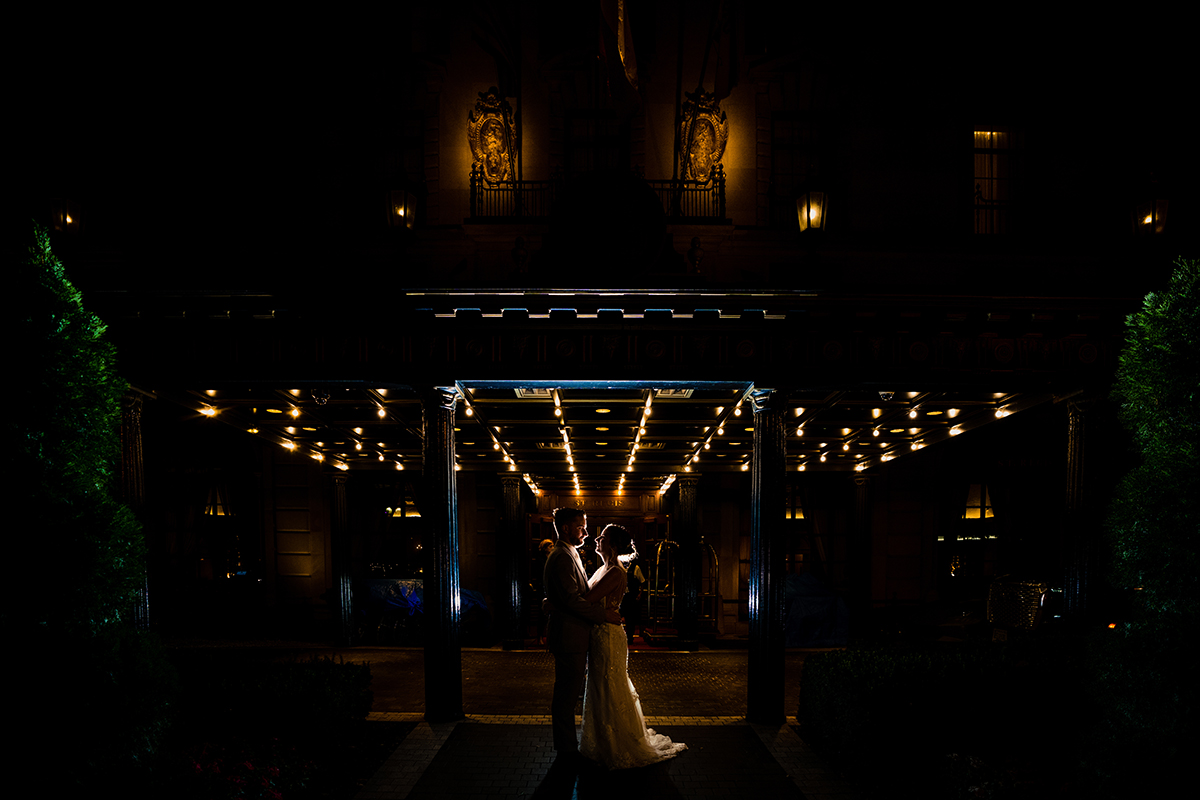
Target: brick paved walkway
x=503 y=747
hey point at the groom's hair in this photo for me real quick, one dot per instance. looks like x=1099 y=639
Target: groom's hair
x=564 y=515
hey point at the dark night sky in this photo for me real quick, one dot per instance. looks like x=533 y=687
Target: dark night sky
x=192 y=139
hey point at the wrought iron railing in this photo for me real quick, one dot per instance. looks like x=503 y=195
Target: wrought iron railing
x=698 y=200
x=510 y=199
x=534 y=200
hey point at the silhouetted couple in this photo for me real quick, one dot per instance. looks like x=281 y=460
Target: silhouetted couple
x=588 y=642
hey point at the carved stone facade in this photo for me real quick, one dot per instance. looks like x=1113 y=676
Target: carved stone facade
x=704 y=131
x=490 y=133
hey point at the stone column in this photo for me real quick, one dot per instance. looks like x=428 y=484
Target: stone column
x=1077 y=541
x=133 y=487
x=340 y=535
x=442 y=609
x=510 y=554
x=858 y=557
x=764 y=695
x=687 y=574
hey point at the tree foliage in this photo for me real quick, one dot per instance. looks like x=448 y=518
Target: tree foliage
x=1144 y=693
x=79 y=552
x=1153 y=518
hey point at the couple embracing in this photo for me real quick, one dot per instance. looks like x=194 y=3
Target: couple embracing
x=588 y=642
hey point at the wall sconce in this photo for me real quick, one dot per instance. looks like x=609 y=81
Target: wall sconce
x=811 y=211
x=65 y=215
x=401 y=208
x=1150 y=216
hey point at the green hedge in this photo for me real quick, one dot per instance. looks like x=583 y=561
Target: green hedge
x=941 y=714
x=312 y=699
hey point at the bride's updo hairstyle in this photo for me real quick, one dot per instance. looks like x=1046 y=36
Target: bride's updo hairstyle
x=621 y=542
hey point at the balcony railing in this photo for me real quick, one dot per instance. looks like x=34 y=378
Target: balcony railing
x=693 y=200
x=510 y=200
x=533 y=201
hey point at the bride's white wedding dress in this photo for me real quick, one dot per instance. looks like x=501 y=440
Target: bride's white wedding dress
x=614 y=730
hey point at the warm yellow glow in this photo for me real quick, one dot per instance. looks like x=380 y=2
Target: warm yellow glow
x=495 y=445
x=822 y=458
x=381 y=412
x=603 y=410
x=720 y=409
x=875 y=432
x=290 y=445
x=295 y=412
x=800 y=468
x=845 y=431
x=707 y=446
x=251 y=430
x=343 y=467
x=875 y=412
x=399 y=466
x=208 y=412
x=720 y=431
x=687 y=469
x=737 y=412
x=601 y=444
x=846 y=446
x=470 y=411
x=799 y=431
x=1149 y=218
x=604 y=429
x=290 y=429
x=274 y=411
x=745 y=467
x=558 y=412
x=629 y=468
x=912 y=414
x=955 y=431
x=799 y=411
x=381 y=456
x=319 y=456
x=358 y=445
x=512 y=467
x=951 y=412
x=69 y=220
x=457 y=467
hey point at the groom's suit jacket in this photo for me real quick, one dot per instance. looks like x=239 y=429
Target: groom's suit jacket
x=570 y=625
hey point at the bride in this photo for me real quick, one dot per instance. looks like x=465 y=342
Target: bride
x=614 y=731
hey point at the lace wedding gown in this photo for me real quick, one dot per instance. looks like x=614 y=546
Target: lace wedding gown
x=614 y=730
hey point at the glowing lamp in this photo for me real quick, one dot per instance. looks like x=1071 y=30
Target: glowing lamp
x=811 y=211
x=401 y=208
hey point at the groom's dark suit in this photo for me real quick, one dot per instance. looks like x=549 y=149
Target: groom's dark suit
x=567 y=635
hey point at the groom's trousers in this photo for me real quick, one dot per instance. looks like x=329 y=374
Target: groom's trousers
x=570 y=672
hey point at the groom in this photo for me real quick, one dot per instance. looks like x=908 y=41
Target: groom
x=569 y=628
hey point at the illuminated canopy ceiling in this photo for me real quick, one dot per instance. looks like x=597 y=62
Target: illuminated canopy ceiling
x=643 y=434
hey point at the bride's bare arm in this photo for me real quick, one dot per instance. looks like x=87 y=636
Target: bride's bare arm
x=606 y=585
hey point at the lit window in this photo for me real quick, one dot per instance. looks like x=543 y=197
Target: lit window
x=993 y=181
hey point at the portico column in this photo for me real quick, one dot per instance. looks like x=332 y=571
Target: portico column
x=133 y=487
x=509 y=554
x=443 y=656
x=764 y=695
x=1078 y=544
x=340 y=534
x=858 y=557
x=687 y=534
